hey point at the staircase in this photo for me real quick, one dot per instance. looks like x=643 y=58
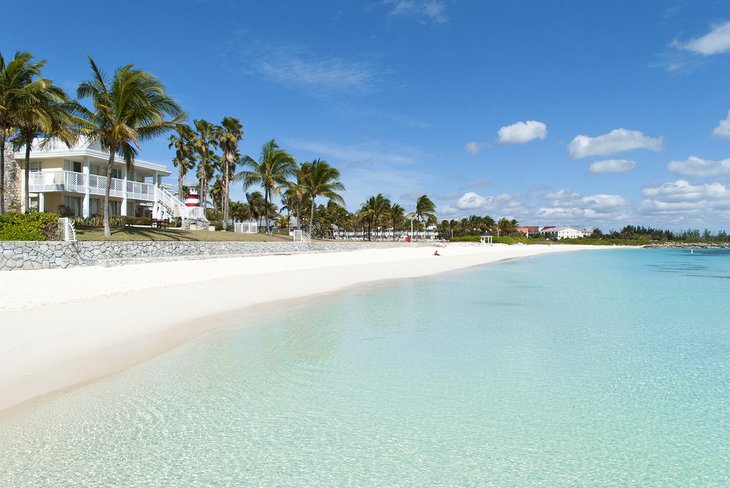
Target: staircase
x=167 y=207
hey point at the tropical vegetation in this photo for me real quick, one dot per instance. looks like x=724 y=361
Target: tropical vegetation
x=126 y=109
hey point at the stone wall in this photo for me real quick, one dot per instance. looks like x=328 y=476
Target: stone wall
x=15 y=255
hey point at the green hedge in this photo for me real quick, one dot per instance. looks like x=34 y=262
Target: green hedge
x=115 y=221
x=38 y=226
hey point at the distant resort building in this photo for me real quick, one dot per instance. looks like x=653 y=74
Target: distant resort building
x=75 y=178
x=564 y=232
x=528 y=230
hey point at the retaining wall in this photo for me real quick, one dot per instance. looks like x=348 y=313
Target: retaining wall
x=15 y=255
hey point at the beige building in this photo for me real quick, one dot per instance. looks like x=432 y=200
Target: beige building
x=75 y=177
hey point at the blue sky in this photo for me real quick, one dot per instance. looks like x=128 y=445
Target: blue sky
x=553 y=113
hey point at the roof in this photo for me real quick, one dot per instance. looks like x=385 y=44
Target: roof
x=54 y=148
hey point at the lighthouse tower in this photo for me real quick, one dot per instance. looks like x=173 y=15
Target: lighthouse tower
x=192 y=200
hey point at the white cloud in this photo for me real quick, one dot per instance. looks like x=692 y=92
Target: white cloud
x=695 y=167
x=716 y=41
x=426 y=11
x=522 y=132
x=616 y=141
x=612 y=166
x=563 y=195
x=681 y=202
x=566 y=206
x=448 y=210
x=722 y=131
x=473 y=147
x=471 y=200
x=682 y=190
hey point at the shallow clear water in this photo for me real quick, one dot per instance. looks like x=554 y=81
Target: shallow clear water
x=595 y=368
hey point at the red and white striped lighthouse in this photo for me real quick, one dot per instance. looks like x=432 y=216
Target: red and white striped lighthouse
x=192 y=200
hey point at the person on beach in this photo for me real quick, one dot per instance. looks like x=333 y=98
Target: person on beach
x=436 y=253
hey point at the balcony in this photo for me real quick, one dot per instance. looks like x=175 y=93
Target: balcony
x=69 y=181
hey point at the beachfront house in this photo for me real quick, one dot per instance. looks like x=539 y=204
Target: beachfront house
x=75 y=178
x=563 y=233
x=528 y=230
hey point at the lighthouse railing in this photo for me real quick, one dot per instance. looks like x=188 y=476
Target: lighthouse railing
x=196 y=213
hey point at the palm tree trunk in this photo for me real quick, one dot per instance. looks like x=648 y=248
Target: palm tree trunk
x=311 y=218
x=110 y=164
x=26 y=175
x=180 y=182
x=2 y=170
x=225 y=200
x=266 y=209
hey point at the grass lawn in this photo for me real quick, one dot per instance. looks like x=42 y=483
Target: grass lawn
x=149 y=234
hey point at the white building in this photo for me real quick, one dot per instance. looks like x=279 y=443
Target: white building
x=75 y=177
x=564 y=233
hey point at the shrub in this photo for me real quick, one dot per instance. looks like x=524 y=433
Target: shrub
x=37 y=226
x=115 y=221
x=65 y=211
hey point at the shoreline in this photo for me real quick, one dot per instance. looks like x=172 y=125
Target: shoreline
x=50 y=337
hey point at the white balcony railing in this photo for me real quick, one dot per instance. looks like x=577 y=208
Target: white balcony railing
x=71 y=181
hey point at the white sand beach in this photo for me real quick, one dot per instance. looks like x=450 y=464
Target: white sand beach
x=63 y=327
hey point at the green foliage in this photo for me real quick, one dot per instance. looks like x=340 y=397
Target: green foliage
x=502 y=240
x=29 y=227
x=115 y=221
x=65 y=211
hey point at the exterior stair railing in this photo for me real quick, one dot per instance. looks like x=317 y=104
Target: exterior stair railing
x=68 y=229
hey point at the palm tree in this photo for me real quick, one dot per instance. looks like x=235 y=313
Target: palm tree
x=506 y=226
x=272 y=171
x=240 y=211
x=20 y=86
x=216 y=193
x=131 y=107
x=425 y=210
x=51 y=115
x=183 y=160
x=396 y=216
x=203 y=142
x=373 y=210
x=321 y=179
x=256 y=205
x=229 y=135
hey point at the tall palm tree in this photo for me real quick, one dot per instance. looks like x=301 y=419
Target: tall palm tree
x=425 y=210
x=321 y=179
x=204 y=142
x=396 y=216
x=272 y=171
x=20 y=85
x=51 y=116
x=183 y=159
x=229 y=134
x=131 y=107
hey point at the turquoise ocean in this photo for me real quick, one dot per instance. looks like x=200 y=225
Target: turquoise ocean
x=596 y=368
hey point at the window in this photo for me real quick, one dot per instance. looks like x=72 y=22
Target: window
x=117 y=173
x=74 y=166
x=114 y=208
x=74 y=203
x=33 y=203
x=36 y=166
